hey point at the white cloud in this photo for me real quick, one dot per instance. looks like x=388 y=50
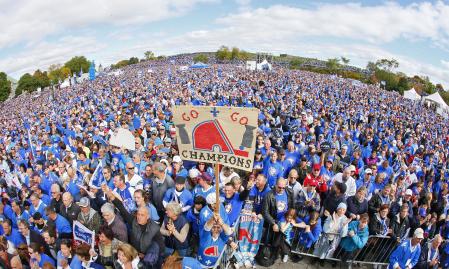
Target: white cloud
x=28 y=20
x=43 y=54
x=351 y=30
x=445 y=63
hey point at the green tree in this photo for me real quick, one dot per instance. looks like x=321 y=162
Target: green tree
x=54 y=73
x=223 y=54
x=27 y=83
x=387 y=64
x=244 y=55
x=77 y=63
x=403 y=85
x=391 y=79
x=344 y=60
x=333 y=64
x=5 y=87
x=200 y=58
x=133 y=60
x=42 y=78
x=235 y=53
x=296 y=63
x=149 y=55
x=120 y=64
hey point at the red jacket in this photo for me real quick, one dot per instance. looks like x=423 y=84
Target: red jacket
x=318 y=181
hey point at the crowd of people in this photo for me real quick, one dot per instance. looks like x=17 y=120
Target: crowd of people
x=333 y=157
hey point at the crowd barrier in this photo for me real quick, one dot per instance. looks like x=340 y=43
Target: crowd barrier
x=376 y=251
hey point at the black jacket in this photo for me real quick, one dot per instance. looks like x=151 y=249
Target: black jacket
x=355 y=207
x=375 y=225
x=141 y=237
x=374 y=204
x=269 y=209
x=332 y=201
x=400 y=227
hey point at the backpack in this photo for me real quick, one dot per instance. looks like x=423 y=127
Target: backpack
x=265 y=256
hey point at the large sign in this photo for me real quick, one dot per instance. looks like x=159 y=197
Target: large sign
x=82 y=234
x=224 y=135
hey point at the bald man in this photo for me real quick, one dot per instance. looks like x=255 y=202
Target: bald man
x=56 y=198
x=69 y=209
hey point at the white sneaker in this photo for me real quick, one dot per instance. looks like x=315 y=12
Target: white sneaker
x=285 y=259
x=237 y=265
x=248 y=264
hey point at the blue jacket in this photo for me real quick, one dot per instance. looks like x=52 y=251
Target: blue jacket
x=62 y=225
x=357 y=241
x=307 y=239
x=403 y=253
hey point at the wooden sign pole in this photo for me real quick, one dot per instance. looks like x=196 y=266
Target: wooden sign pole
x=217 y=188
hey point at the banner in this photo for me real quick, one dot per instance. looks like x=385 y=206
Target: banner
x=97 y=177
x=224 y=135
x=250 y=233
x=82 y=234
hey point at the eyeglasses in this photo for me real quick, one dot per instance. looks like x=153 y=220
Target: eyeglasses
x=281 y=188
x=129 y=168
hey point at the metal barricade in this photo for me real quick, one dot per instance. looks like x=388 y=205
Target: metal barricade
x=377 y=251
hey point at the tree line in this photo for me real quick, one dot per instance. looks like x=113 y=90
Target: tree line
x=55 y=74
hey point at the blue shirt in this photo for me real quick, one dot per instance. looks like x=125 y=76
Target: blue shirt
x=40 y=208
x=185 y=198
x=15 y=237
x=190 y=263
x=233 y=206
x=281 y=204
x=257 y=196
x=272 y=171
x=210 y=249
x=45 y=258
x=198 y=190
x=62 y=225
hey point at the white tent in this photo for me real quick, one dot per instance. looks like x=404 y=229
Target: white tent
x=442 y=107
x=412 y=95
x=264 y=65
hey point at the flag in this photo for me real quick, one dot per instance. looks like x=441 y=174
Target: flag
x=249 y=235
x=82 y=234
x=97 y=177
x=79 y=177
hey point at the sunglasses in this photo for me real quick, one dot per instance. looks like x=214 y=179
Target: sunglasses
x=129 y=168
x=281 y=188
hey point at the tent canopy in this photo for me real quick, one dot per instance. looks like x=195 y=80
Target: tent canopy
x=436 y=97
x=412 y=94
x=198 y=65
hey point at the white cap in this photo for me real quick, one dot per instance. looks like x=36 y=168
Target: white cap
x=419 y=233
x=177 y=159
x=409 y=192
x=211 y=198
x=193 y=173
x=352 y=168
x=342 y=205
x=368 y=171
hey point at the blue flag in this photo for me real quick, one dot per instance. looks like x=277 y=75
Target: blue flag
x=249 y=235
x=79 y=178
x=97 y=177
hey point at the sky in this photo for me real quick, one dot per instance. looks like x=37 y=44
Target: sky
x=36 y=34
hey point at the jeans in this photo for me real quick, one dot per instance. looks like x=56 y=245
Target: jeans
x=182 y=252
